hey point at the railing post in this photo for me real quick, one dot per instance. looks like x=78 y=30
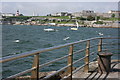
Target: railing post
x=100 y=45
x=35 y=73
x=86 y=68
x=70 y=61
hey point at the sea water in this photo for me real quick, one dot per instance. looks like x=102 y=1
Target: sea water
x=17 y=39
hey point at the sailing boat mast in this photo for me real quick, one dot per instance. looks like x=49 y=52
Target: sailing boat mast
x=77 y=24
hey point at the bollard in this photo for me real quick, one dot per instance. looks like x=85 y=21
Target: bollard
x=104 y=62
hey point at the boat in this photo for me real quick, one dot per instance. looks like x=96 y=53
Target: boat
x=76 y=27
x=66 y=38
x=101 y=34
x=49 y=30
x=17 y=41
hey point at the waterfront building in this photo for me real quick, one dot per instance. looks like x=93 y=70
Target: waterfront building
x=7 y=14
x=87 y=13
x=113 y=11
x=109 y=14
x=117 y=13
x=105 y=15
x=77 y=14
x=84 y=13
x=17 y=13
x=60 y=14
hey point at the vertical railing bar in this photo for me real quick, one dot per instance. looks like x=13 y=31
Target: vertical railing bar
x=36 y=58
x=70 y=61
x=86 y=68
x=35 y=73
x=100 y=45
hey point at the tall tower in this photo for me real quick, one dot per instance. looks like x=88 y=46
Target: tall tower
x=17 y=13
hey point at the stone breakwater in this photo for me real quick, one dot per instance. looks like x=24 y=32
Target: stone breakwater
x=73 y=25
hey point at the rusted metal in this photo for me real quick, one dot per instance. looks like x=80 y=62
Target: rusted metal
x=35 y=72
x=104 y=62
x=86 y=68
x=70 y=61
x=100 y=45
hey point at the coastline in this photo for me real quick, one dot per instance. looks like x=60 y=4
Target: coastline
x=63 y=25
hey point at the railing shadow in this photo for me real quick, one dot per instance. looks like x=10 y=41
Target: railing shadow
x=95 y=75
x=113 y=67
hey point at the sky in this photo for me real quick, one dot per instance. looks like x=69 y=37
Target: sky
x=59 y=0
x=44 y=8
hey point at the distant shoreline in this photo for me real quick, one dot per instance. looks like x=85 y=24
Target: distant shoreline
x=65 y=25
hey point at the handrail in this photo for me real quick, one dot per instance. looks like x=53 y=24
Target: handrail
x=13 y=57
x=53 y=61
x=36 y=53
x=21 y=73
x=81 y=50
x=110 y=43
x=62 y=69
x=110 y=37
x=110 y=49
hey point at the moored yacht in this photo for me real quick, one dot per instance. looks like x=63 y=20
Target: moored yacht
x=50 y=30
x=76 y=27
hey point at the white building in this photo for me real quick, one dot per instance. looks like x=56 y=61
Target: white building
x=61 y=14
x=84 y=13
x=7 y=14
x=113 y=11
x=106 y=15
x=117 y=13
x=77 y=14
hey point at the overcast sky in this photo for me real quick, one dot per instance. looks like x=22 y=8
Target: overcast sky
x=59 y=0
x=44 y=8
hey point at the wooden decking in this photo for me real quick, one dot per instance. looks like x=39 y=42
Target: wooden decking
x=93 y=73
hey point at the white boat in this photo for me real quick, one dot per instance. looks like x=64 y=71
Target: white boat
x=101 y=34
x=49 y=30
x=66 y=38
x=76 y=27
x=17 y=41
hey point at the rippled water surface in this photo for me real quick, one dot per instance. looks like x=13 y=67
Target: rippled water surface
x=22 y=38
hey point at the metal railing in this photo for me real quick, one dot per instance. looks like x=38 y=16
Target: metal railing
x=69 y=68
